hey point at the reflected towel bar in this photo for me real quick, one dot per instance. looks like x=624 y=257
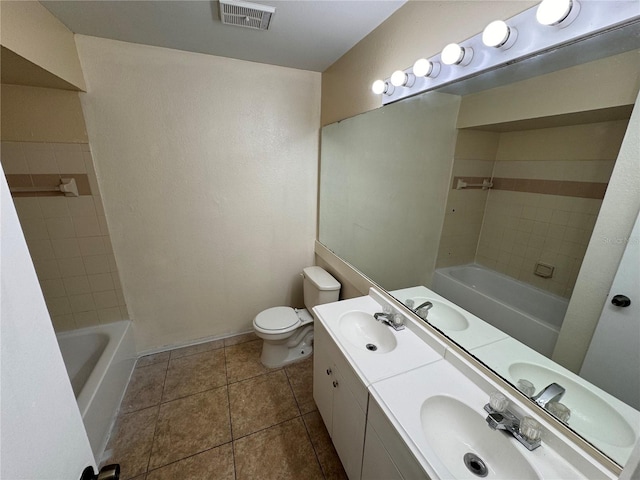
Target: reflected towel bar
x=486 y=184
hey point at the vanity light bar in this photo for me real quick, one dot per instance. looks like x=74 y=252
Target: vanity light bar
x=546 y=27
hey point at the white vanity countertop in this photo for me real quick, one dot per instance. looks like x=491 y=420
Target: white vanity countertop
x=402 y=379
x=602 y=419
x=410 y=351
x=443 y=381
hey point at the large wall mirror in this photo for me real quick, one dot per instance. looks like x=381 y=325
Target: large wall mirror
x=440 y=189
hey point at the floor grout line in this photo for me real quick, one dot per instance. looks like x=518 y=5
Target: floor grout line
x=233 y=447
x=155 y=430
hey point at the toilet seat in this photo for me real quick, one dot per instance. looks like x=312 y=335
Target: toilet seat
x=277 y=319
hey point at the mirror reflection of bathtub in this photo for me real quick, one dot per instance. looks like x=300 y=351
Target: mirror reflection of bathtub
x=524 y=312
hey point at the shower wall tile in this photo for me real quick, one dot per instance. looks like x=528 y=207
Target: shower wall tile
x=68 y=237
x=549 y=185
x=521 y=229
x=474 y=157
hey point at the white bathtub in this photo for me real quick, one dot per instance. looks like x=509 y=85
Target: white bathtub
x=524 y=312
x=99 y=362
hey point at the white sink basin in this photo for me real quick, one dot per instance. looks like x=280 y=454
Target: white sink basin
x=366 y=333
x=443 y=316
x=589 y=412
x=454 y=429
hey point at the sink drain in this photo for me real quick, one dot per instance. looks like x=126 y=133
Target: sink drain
x=475 y=465
x=371 y=347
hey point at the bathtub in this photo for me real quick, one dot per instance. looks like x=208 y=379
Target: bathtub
x=99 y=362
x=524 y=312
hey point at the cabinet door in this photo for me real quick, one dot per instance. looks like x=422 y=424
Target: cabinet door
x=377 y=463
x=348 y=428
x=323 y=376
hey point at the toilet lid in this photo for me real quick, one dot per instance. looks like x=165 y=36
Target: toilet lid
x=277 y=318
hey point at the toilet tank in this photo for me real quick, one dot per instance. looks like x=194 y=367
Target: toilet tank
x=319 y=287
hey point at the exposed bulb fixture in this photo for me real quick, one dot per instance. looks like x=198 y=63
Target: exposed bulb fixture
x=498 y=34
x=425 y=68
x=402 y=79
x=556 y=12
x=454 y=54
x=380 y=87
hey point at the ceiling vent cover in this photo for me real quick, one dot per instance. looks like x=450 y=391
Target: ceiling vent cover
x=245 y=14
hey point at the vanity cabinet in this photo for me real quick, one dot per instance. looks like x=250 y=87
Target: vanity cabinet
x=341 y=399
x=377 y=463
x=386 y=455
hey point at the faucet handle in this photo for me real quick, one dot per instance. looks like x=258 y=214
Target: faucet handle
x=530 y=429
x=560 y=411
x=498 y=402
x=526 y=387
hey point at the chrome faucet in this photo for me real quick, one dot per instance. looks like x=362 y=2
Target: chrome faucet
x=509 y=422
x=421 y=310
x=551 y=393
x=390 y=319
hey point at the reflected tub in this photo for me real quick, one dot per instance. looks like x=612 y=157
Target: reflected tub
x=524 y=312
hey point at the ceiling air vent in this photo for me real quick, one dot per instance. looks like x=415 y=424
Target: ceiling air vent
x=245 y=14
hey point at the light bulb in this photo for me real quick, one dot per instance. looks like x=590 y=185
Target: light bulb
x=422 y=68
x=402 y=79
x=380 y=86
x=553 y=12
x=496 y=34
x=454 y=54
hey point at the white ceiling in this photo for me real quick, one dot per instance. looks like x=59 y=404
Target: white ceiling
x=304 y=34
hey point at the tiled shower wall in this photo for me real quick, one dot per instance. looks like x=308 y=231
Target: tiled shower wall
x=68 y=237
x=548 y=188
x=474 y=156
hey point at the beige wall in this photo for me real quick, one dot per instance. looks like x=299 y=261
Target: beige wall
x=610 y=82
x=31 y=31
x=208 y=167
x=31 y=114
x=418 y=29
x=377 y=187
x=617 y=215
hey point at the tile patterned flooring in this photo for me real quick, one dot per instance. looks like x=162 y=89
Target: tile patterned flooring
x=213 y=411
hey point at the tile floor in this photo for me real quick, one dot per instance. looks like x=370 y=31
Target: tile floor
x=213 y=411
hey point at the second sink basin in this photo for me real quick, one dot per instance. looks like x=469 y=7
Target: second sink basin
x=366 y=333
x=443 y=316
x=455 y=430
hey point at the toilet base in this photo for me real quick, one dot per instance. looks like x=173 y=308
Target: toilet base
x=276 y=354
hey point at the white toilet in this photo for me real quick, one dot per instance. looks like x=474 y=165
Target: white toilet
x=288 y=332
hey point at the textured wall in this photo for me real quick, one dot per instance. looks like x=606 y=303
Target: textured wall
x=31 y=114
x=32 y=32
x=208 y=170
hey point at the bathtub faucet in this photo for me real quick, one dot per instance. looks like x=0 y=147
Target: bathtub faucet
x=551 y=393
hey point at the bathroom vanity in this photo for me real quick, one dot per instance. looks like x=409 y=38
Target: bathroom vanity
x=405 y=404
